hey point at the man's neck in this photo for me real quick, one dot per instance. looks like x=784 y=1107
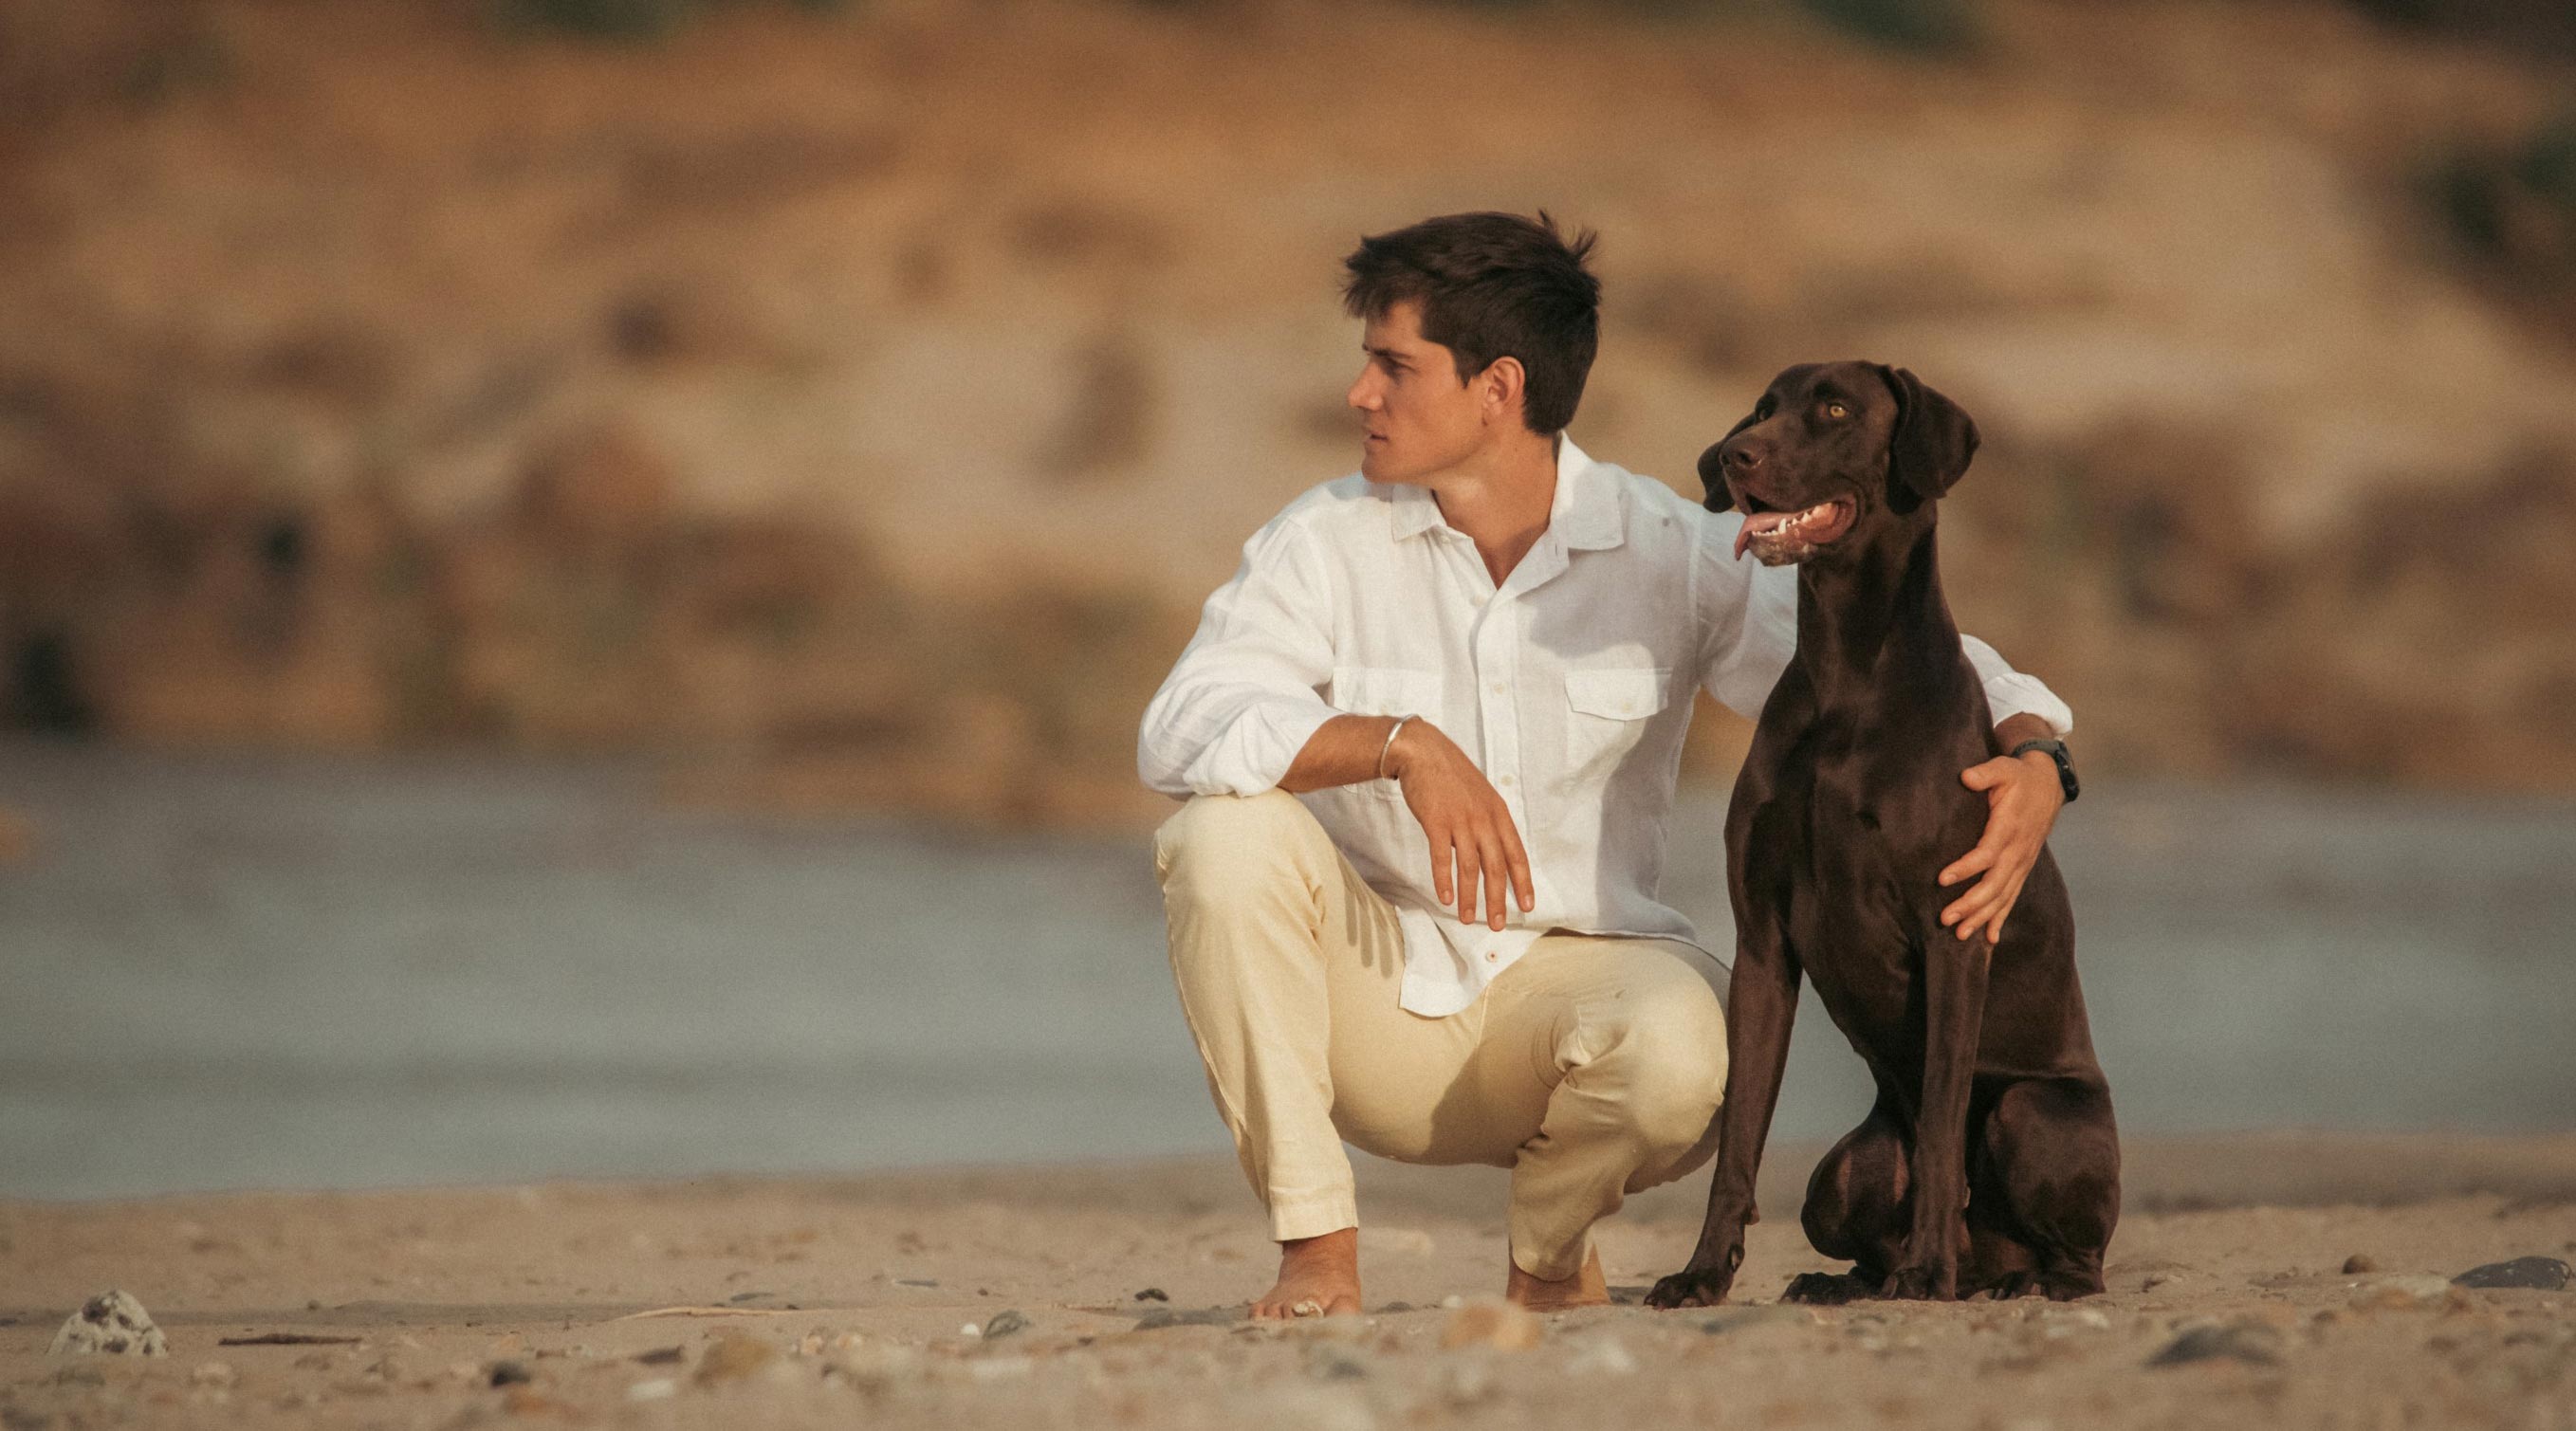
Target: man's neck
x=1502 y=499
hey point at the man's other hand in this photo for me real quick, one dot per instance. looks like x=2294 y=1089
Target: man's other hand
x=1473 y=842
x=2023 y=797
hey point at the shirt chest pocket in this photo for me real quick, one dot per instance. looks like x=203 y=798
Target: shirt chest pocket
x=1607 y=712
x=1385 y=691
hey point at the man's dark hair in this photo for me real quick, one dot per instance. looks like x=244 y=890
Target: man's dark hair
x=1492 y=286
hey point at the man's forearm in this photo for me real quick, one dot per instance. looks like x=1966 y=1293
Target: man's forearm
x=1342 y=751
x=2013 y=730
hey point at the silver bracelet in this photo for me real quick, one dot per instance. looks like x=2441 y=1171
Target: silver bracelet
x=1390 y=744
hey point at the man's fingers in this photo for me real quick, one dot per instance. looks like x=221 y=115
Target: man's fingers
x=1972 y=904
x=1469 y=870
x=1986 y=774
x=1981 y=858
x=1440 y=866
x=1498 y=878
x=1518 y=860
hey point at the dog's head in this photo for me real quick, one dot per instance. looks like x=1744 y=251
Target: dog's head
x=1831 y=448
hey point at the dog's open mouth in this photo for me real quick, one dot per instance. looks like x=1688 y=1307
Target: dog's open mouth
x=1778 y=537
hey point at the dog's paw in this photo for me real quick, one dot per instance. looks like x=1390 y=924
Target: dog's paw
x=1828 y=1289
x=2066 y=1286
x=1922 y=1284
x=1688 y=1288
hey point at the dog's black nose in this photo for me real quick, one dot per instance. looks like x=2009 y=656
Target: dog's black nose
x=1742 y=456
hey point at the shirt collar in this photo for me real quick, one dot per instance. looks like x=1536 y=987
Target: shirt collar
x=1588 y=513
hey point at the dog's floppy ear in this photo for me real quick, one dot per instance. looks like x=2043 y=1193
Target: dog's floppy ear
x=1712 y=471
x=1933 y=442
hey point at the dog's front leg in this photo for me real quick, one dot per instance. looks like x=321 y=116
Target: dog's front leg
x=1955 y=1006
x=1762 y=1003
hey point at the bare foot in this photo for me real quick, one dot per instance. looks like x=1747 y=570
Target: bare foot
x=1584 y=1289
x=1318 y=1277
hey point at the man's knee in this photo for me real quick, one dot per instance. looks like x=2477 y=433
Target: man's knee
x=1219 y=846
x=1670 y=1054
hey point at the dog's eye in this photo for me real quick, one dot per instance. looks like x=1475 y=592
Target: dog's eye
x=1835 y=409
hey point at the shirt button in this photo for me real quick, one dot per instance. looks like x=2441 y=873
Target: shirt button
x=1498 y=688
x=1491 y=957
x=1506 y=780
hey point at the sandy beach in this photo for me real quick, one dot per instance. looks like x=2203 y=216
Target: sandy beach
x=866 y=1301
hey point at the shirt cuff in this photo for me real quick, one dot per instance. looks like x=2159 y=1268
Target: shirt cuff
x=2016 y=694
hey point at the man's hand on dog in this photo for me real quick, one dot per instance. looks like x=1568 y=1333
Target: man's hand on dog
x=2023 y=797
x=1467 y=822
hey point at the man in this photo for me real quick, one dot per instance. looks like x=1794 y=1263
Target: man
x=1460 y=680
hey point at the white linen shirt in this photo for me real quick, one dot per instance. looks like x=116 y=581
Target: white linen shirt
x=1570 y=686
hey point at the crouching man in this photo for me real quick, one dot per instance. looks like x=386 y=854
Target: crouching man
x=1427 y=736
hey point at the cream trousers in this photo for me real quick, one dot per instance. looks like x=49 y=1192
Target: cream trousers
x=1591 y=1068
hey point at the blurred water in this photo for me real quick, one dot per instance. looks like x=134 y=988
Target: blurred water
x=239 y=973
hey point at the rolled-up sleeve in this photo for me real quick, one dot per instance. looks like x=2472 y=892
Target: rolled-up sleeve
x=1749 y=631
x=1247 y=692
x=2010 y=693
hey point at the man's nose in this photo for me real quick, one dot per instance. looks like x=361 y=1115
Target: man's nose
x=1363 y=394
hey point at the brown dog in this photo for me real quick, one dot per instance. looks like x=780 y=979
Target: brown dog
x=1990 y=1161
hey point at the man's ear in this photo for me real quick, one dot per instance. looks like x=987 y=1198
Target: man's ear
x=1712 y=470
x=1932 y=444
x=1509 y=385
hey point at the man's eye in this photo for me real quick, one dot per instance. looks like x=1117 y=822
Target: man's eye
x=1835 y=409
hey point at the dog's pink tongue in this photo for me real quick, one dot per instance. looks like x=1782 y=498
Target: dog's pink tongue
x=1757 y=525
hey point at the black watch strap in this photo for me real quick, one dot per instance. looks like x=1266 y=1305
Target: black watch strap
x=2056 y=750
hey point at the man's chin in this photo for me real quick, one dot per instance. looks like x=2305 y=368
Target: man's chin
x=1379 y=465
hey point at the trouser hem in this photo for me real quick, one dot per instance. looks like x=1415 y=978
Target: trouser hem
x=1311 y=1217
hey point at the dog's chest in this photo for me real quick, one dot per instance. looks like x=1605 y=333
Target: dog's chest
x=1851 y=910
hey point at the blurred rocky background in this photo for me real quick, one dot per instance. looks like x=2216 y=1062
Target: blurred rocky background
x=847 y=406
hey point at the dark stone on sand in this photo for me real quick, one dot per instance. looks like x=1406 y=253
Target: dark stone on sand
x=2544 y=1274
x=2249 y=1342
x=1723 y=1320
x=1153 y=1294
x=1203 y=1317
x=1005 y=1322
x=660 y=1356
x=1395 y=1307
x=2359 y=1263
x=511 y=1373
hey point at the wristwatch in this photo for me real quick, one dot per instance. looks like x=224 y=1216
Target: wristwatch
x=2056 y=751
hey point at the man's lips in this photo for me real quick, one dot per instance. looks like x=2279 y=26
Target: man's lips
x=1811 y=525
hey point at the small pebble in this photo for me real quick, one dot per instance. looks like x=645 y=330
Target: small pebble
x=1492 y=1323
x=732 y=1358
x=1004 y=1323
x=1335 y=1361
x=509 y=1373
x=1601 y=1356
x=2246 y=1341
x=2359 y=1263
x=1153 y=1294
